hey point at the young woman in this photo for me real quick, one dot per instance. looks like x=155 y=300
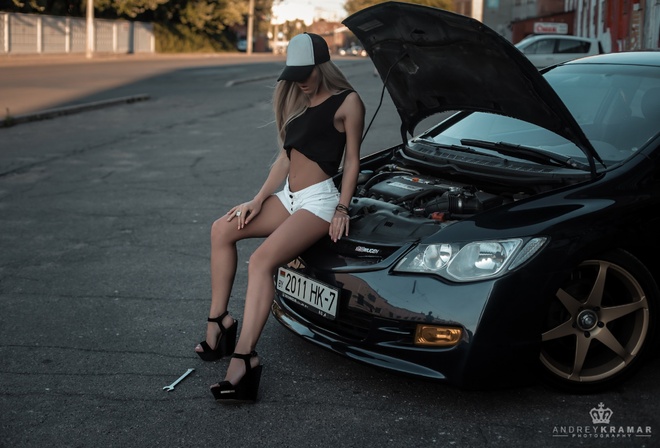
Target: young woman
x=320 y=119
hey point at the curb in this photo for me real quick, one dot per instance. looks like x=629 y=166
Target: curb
x=69 y=110
x=235 y=82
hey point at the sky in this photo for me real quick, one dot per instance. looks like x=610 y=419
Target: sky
x=307 y=10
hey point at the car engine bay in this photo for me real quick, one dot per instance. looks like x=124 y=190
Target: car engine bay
x=403 y=197
x=399 y=202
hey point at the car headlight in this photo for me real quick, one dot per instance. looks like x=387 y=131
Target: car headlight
x=466 y=262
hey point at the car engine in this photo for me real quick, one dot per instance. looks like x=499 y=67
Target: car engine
x=428 y=197
x=394 y=205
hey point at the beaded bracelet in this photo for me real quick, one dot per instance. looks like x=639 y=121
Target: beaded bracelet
x=341 y=208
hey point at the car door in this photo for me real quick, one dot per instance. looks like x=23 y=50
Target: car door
x=541 y=52
x=553 y=50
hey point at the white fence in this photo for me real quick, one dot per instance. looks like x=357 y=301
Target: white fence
x=41 y=34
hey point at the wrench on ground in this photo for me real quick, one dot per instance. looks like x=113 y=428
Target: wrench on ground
x=171 y=386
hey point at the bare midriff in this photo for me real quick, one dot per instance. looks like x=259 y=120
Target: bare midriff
x=304 y=172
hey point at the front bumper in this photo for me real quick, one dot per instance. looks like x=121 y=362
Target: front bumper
x=379 y=312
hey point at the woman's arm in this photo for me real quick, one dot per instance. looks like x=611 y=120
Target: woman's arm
x=278 y=172
x=352 y=112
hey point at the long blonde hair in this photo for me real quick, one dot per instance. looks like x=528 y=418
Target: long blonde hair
x=289 y=102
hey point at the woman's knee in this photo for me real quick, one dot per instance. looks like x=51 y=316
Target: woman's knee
x=261 y=262
x=223 y=232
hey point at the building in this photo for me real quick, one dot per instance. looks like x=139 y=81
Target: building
x=332 y=32
x=620 y=25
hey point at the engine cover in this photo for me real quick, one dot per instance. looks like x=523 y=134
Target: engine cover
x=400 y=186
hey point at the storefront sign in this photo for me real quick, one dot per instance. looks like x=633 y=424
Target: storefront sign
x=550 y=28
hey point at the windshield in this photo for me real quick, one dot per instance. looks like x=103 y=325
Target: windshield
x=617 y=107
x=498 y=128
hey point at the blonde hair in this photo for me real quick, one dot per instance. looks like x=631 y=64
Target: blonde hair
x=289 y=102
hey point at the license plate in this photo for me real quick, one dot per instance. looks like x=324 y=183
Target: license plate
x=311 y=294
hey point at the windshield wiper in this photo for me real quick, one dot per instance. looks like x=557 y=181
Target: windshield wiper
x=454 y=147
x=528 y=153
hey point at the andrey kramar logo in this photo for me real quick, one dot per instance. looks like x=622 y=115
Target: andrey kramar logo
x=603 y=426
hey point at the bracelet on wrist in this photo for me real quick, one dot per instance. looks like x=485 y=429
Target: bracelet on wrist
x=342 y=209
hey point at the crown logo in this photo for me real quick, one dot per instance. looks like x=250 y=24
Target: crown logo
x=601 y=414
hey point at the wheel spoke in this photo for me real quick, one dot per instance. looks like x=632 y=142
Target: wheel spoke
x=560 y=331
x=615 y=312
x=570 y=302
x=581 y=348
x=596 y=294
x=606 y=337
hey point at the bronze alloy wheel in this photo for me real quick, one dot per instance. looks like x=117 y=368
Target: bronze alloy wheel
x=600 y=324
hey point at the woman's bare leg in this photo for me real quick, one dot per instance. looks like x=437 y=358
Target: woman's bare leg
x=224 y=235
x=292 y=237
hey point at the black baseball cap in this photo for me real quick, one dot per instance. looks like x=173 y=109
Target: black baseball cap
x=302 y=54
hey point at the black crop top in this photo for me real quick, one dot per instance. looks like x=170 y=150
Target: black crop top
x=314 y=135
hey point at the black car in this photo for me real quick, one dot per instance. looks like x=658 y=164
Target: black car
x=517 y=237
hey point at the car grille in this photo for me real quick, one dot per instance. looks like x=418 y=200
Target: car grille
x=355 y=325
x=348 y=324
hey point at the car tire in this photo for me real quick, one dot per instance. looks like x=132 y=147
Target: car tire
x=601 y=325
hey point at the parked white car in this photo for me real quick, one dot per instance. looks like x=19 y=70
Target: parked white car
x=550 y=49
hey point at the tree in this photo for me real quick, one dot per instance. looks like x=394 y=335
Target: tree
x=53 y=7
x=128 y=8
x=352 y=6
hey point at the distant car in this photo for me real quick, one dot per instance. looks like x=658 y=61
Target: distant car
x=517 y=236
x=545 y=50
x=353 y=50
x=241 y=44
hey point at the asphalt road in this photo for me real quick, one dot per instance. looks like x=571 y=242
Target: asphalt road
x=104 y=282
x=30 y=84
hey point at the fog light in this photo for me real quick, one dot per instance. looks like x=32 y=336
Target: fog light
x=434 y=336
x=276 y=310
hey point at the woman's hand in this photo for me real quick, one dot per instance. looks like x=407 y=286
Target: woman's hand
x=339 y=226
x=244 y=213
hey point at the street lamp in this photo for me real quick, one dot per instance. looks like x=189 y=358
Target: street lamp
x=250 y=26
x=90 y=28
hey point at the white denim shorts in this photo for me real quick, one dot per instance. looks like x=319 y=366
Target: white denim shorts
x=319 y=199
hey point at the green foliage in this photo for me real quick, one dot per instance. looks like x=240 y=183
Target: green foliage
x=207 y=16
x=130 y=9
x=292 y=27
x=178 y=38
x=53 y=7
x=352 y=6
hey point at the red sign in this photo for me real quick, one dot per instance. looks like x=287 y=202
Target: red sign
x=550 y=28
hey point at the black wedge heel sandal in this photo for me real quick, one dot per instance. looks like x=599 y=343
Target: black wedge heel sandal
x=225 y=342
x=247 y=388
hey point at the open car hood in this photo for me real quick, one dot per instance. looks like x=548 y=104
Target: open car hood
x=433 y=61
